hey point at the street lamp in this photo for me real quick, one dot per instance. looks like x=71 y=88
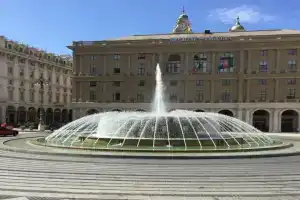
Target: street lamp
x=41 y=82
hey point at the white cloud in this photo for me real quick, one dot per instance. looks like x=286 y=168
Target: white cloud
x=247 y=14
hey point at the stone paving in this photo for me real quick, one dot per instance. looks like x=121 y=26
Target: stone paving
x=26 y=176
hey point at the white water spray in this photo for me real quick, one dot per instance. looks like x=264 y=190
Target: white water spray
x=158 y=103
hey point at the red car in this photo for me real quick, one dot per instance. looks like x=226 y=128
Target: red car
x=5 y=131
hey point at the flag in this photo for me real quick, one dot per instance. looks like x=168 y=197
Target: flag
x=225 y=64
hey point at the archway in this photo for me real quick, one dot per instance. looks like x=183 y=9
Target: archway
x=70 y=115
x=289 y=121
x=21 y=113
x=57 y=115
x=226 y=112
x=49 y=116
x=31 y=114
x=261 y=119
x=91 y=111
x=116 y=110
x=38 y=114
x=11 y=115
x=64 y=116
x=141 y=110
x=199 y=110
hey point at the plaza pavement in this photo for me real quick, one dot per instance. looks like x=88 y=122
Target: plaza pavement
x=26 y=176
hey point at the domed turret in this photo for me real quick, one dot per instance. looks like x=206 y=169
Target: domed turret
x=183 y=24
x=237 y=27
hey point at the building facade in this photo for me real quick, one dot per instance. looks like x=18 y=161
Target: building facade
x=31 y=80
x=251 y=75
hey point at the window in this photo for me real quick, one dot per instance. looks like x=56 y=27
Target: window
x=93 y=83
x=263 y=66
x=92 y=95
x=173 y=83
x=292 y=52
x=291 y=93
x=117 y=57
x=141 y=56
x=117 y=96
x=10 y=95
x=173 y=67
x=50 y=97
x=10 y=71
x=117 y=69
x=291 y=81
x=199 y=96
x=31 y=74
x=292 y=65
x=199 y=83
x=21 y=95
x=141 y=83
x=65 y=99
x=92 y=69
x=263 y=52
x=140 y=97
x=262 y=95
x=173 y=97
x=200 y=63
x=225 y=96
x=262 y=82
x=22 y=83
x=226 y=82
x=226 y=63
x=57 y=98
x=32 y=96
x=10 y=82
x=21 y=72
x=141 y=69
x=93 y=57
x=117 y=83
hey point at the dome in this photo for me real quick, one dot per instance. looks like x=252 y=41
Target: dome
x=179 y=128
x=237 y=27
x=183 y=16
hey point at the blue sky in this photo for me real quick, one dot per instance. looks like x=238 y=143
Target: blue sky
x=53 y=24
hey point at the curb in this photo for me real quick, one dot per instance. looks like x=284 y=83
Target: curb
x=170 y=156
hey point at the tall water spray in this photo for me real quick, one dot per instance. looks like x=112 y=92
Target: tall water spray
x=158 y=103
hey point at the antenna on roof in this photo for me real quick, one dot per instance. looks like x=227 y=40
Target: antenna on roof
x=183 y=11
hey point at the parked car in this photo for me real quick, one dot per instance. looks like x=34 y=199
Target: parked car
x=5 y=131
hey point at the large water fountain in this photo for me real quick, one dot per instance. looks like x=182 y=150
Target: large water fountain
x=159 y=130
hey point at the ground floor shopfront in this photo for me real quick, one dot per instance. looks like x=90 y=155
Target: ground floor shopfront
x=267 y=117
x=29 y=114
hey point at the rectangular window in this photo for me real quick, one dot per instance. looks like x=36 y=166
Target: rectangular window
x=117 y=69
x=21 y=96
x=92 y=69
x=173 y=97
x=291 y=93
x=141 y=69
x=263 y=52
x=93 y=83
x=225 y=96
x=263 y=66
x=93 y=57
x=292 y=65
x=140 y=97
x=92 y=95
x=199 y=83
x=117 y=96
x=10 y=95
x=199 y=96
x=262 y=95
x=173 y=68
x=141 y=56
x=117 y=57
x=117 y=83
x=262 y=82
x=173 y=83
x=291 y=81
x=292 y=52
x=226 y=82
x=141 y=83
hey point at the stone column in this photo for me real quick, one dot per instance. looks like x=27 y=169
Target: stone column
x=248 y=118
x=186 y=68
x=277 y=64
x=212 y=91
x=3 y=113
x=81 y=65
x=104 y=65
x=249 y=67
x=213 y=63
x=242 y=61
x=239 y=113
x=129 y=64
x=80 y=91
x=276 y=122
x=276 y=91
x=240 y=89
x=248 y=90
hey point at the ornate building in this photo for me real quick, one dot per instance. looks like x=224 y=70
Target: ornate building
x=251 y=75
x=22 y=96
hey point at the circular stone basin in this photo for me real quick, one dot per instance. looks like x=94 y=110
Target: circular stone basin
x=179 y=130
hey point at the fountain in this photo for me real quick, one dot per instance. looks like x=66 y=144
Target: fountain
x=159 y=130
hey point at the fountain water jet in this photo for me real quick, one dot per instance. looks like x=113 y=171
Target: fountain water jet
x=159 y=130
